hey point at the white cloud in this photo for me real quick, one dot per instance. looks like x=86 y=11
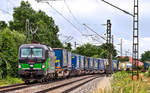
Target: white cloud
x=144 y=44
x=94 y=13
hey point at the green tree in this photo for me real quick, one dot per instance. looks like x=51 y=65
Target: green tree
x=103 y=50
x=9 y=43
x=2 y=25
x=68 y=46
x=145 y=56
x=47 y=29
x=95 y=51
x=88 y=50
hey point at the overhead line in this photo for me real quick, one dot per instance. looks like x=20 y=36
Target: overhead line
x=94 y=31
x=118 y=8
x=5 y=12
x=71 y=12
x=64 y=17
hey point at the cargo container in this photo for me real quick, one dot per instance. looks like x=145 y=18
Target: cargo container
x=90 y=64
x=61 y=62
x=114 y=65
x=102 y=64
x=69 y=60
x=75 y=61
x=98 y=64
x=86 y=63
x=81 y=62
x=95 y=65
x=60 y=58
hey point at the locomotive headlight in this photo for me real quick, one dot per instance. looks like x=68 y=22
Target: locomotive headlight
x=19 y=66
x=31 y=65
x=43 y=65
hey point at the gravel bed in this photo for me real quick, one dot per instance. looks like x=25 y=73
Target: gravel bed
x=89 y=87
x=37 y=88
x=69 y=86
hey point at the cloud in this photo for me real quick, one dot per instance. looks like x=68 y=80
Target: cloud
x=144 y=44
x=93 y=13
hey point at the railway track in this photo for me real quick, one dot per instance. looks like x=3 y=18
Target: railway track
x=64 y=85
x=14 y=87
x=11 y=86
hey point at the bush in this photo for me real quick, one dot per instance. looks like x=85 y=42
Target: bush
x=9 y=81
x=9 y=44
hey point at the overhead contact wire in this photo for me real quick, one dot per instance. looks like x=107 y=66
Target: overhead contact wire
x=64 y=17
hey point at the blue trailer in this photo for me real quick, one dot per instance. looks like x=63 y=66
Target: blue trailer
x=102 y=64
x=114 y=65
x=60 y=58
x=77 y=64
x=61 y=62
x=69 y=55
x=90 y=64
x=81 y=62
x=74 y=59
x=96 y=65
x=86 y=65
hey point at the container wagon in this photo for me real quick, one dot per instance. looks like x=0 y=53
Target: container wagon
x=61 y=62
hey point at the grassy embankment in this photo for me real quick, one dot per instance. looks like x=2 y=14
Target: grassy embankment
x=122 y=83
x=10 y=81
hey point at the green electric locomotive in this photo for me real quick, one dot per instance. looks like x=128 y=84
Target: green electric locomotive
x=36 y=63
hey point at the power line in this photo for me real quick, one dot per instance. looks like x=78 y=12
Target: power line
x=6 y=12
x=71 y=12
x=94 y=31
x=118 y=8
x=64 y=17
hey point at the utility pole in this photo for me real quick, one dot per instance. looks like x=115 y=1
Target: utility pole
x=27 y=30
x=121 y=47
x=109 y=65
x=112 y=39
x=120 y=44
x=135 y=47
x=75 y=44
x=108 y=31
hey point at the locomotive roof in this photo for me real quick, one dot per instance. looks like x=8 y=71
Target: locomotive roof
x=35 y=45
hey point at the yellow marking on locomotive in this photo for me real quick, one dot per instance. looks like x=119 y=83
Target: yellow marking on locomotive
x=72 y=56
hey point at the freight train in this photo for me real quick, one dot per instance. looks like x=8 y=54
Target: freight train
x=38 y=62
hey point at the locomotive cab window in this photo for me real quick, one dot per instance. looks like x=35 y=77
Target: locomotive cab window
x=31 y=52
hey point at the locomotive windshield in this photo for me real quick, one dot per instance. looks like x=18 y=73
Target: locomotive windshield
x=31 y=52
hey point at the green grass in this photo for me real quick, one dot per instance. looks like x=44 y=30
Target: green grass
x=9 y=81
x=122 y=83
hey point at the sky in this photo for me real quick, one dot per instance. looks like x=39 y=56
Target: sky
x=93 y=13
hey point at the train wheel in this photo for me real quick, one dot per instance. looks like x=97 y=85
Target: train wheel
x=27 y=82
